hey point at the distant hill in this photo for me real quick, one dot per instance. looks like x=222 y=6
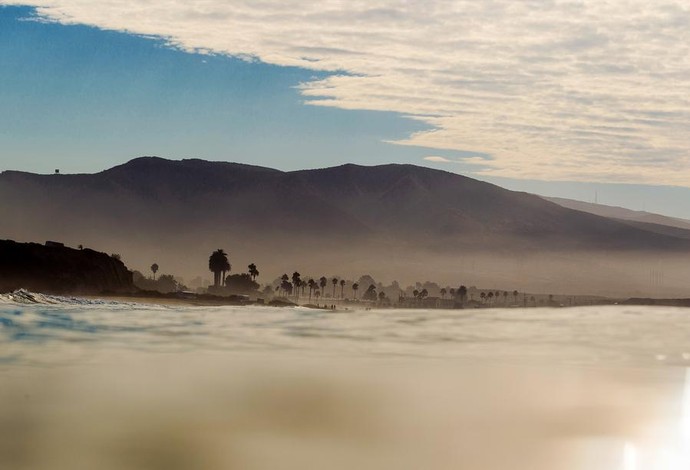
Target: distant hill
x=621 y=213
x=389 y=217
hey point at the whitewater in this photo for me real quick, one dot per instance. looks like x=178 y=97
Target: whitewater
x=101 y=384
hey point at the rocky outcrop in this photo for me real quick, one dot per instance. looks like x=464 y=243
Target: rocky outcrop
x=53 y=268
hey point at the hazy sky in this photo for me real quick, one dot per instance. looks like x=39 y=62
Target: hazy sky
x=527 y=94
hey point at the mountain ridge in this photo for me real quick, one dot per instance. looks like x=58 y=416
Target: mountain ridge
x=389 y=220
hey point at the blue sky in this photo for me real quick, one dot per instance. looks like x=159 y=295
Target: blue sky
x=83 y=95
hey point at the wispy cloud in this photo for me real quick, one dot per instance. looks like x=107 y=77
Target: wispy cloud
x=435 y=159
x=551 y=89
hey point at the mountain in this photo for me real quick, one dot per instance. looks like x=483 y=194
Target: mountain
x=386 y=219
x=620 y=213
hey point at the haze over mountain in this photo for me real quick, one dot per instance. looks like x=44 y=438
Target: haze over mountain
x=621 y=213
x=394 y=221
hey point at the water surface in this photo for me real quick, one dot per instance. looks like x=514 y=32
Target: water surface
x=98 y=384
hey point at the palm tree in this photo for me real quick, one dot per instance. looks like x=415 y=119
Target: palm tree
x=312 y=285
x=218 y=264
x=299 y=286
x=515 y=294
x=342 y=286
x=452 y=293
x=253 y=272
x=335 y=283
x=284 y=281
x=296 y=281
x=482 y=296
x=285 y=285
x=462 y=292
x=355 y=286
x=154 y=270
x=322 y=283
x=443 y=293
x=490 y=296
x=505 y=297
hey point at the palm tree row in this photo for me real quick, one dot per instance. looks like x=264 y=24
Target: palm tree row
x=294 y=285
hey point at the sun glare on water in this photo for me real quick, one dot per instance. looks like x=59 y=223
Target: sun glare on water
x=664 y=456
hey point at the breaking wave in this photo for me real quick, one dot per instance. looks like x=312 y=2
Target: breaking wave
x=22 y=296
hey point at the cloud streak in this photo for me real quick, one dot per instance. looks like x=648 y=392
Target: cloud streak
x=550 y=89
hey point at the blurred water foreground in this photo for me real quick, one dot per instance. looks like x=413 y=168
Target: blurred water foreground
x=89 y=385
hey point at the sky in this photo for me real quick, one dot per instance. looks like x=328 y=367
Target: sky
x=561 y=98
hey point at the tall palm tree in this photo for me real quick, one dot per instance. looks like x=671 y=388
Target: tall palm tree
x=342 y=286
x=297 y=282
x=482 y=296
x=323 y=282
x=462 y=292
x=218 y=264
x=154 y=270
x=452 y=293
x=312 y=285
x=505 y=296
x=515 y=294
x=443 y=293
x=253 y=272
x=335 y=283
x=490 y=296
x=284 y=281
x=299 y=286
x=355 y=286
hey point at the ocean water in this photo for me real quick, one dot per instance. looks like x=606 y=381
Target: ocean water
x=97 y=384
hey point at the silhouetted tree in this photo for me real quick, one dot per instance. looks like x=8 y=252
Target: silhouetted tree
x=166 y=283
x=335 y=283
x=443 y=293
x=355 y=287
x=415 y=293
x=482 y=296
x=462 y=293
x=342 y=287
x=515 y=294
x=322 y=283
x=505 y=296
x=490 y=296
x=241 y=283
x=452 y=293
x=286 y=285
x=423 y=294
x=312 y=286
x=154 y=270
x=296 y=281
x=253 y=272
x=218 y=264
x=370 y=293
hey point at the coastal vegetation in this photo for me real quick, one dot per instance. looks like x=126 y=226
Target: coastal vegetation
x=336 y=290
x=54 y=268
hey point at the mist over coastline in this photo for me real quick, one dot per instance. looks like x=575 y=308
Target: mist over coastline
x=394 y=222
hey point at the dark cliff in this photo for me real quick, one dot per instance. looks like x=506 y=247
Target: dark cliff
x=60 y=270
